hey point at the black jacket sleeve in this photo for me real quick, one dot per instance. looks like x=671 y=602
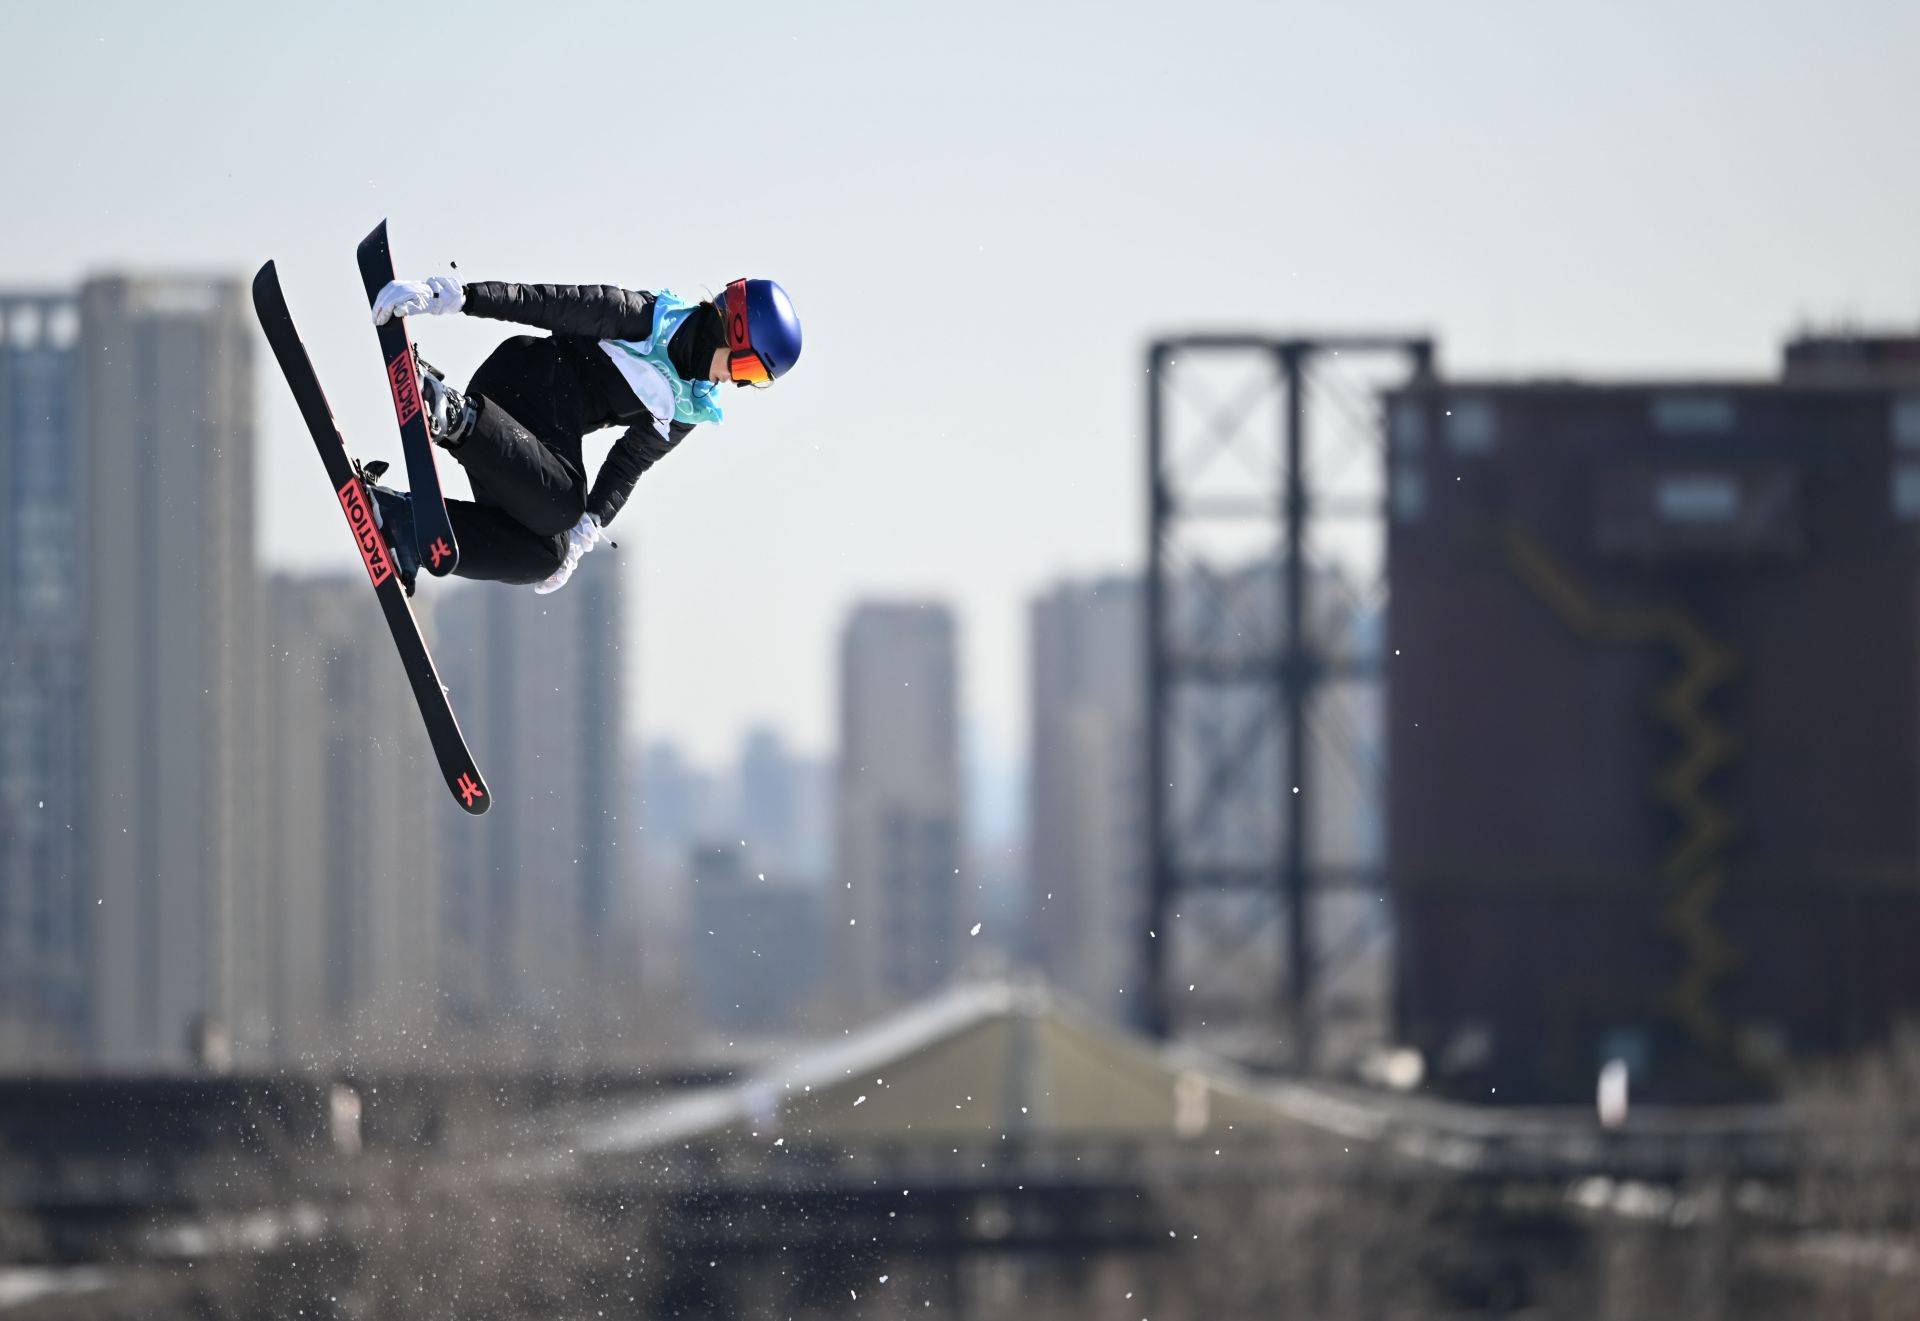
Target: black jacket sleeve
x=597 y=311
x=635 y=452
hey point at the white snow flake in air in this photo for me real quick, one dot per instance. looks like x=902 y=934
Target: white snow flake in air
x=976 y=930
x=883 y=1279
x=861 y=1101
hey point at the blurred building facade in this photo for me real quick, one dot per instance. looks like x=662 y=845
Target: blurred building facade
x=174 y=795
x=754 y=942
x=673 y=805
x=351 y=881
x=898 y=804
x=680 y=803
x=769 y=794
x=1655 y=688
x=43 y=904
x=770 y=812
x=1087 y=850
x=785 y=806
x=529 y=891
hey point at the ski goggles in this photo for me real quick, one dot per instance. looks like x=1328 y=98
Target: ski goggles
x=744 y=365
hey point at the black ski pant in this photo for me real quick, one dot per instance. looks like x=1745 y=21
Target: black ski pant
x=522 y=458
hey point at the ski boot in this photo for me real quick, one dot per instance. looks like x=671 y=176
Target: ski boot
x=393 y=515
x=449 y=413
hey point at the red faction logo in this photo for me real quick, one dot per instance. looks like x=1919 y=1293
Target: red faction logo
x=373 y=547
x=440 y=550
x=406 y=385
x=469 y=789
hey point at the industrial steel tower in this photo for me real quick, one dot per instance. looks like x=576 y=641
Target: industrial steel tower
x=1265 y=466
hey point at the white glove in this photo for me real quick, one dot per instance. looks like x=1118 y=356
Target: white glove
x=437 y=295
x=581 y=538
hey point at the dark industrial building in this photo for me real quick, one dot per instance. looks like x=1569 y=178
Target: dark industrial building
x=1655 y=722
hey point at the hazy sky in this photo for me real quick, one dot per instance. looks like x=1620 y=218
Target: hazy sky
x=983 y=211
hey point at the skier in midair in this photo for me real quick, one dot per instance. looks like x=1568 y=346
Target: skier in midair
x=648 y=360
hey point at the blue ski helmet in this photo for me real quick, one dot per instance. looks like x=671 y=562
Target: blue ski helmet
x=763 y=331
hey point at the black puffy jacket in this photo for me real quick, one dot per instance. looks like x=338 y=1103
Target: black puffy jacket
x=586 y=314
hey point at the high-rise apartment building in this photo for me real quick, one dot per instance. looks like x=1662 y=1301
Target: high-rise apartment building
x=1087 y=792
x=785 y=807
x=166 y=420
x=529 y=890
x=352 y=881
x=899 y=803
x=43 y=971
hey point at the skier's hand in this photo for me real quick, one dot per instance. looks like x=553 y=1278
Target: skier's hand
x=437 y=295
x=581 y=538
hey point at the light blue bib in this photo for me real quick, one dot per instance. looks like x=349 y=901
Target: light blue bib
x=693 y=401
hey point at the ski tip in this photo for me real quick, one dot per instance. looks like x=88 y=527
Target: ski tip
x=268 y=301
x=375 y=260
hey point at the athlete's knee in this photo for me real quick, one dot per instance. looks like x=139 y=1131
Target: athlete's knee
x=507 y=362
x=556 y=521
x=530 y=560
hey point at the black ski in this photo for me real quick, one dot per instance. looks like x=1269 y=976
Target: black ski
x=456 y=763
x=439 y=552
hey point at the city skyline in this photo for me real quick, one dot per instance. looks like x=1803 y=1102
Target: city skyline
x=192 y=915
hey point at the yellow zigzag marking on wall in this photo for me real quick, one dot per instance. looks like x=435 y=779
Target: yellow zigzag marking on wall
x=1691 y=919
x=1695 y=865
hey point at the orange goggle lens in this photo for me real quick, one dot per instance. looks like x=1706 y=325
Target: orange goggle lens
x=748 y=368
x=743 y=364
